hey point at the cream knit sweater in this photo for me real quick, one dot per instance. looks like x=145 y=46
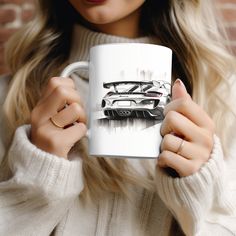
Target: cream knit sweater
x=41 y=196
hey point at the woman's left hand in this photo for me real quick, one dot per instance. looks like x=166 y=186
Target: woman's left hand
x=187 y=133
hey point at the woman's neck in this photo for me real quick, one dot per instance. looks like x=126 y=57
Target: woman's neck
x=126 y=27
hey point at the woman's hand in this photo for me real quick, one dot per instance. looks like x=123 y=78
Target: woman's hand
x=187 y=134
x=51 y=128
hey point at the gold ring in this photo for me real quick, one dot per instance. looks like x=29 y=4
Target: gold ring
x=55 y=123
x=180 y=148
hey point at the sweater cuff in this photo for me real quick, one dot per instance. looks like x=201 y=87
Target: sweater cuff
x=190 y=198
x=33 y=167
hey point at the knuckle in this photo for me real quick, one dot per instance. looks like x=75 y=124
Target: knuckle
x=83 y=128
x=208 y=140
x=76 y=108
x=71 y=81
x=211 y=126
x=53 y=82
x=184 y=104
x=79 y=111
x=205 y=155
x=167 y=141
x=164 y=154
x=76 y=97
x=171 y=117
x=60 y=92
x=166 y=157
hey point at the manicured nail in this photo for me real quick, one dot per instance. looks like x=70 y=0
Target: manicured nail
x=179 y=81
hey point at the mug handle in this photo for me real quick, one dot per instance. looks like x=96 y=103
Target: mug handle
x=70 y=69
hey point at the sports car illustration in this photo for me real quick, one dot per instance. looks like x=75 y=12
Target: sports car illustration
x=140 y=99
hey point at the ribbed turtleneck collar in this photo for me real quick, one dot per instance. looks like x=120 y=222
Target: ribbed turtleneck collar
x=84 y=39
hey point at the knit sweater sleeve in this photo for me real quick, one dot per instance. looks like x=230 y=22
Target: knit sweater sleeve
x=40 y=190
x=203 y=203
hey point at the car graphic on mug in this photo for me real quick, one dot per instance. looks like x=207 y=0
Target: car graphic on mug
x=139 y=99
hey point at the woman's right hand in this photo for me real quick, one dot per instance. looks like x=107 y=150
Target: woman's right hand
x=51 y=107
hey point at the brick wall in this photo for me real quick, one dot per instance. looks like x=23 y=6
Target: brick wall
x=14 y=13
x=228 y=9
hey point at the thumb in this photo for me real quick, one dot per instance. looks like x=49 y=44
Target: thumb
x=179 y=90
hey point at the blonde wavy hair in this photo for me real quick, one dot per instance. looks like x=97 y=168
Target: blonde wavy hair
x=200 y=58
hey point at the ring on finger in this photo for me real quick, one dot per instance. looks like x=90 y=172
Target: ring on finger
x=180 y=148
x=55 y=123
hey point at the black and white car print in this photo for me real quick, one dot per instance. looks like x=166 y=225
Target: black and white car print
x=139 y=99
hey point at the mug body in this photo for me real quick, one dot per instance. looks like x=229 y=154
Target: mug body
x=129 y=86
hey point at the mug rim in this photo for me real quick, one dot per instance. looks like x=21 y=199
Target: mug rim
x=130 y=44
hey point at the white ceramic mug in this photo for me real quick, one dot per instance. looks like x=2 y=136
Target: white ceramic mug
x=129 y=85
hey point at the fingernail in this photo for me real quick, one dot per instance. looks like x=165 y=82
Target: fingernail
x=179 y=82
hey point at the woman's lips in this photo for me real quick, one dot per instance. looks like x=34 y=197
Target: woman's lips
x=95 y=1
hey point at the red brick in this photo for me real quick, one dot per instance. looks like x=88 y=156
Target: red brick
x=27 y=15
x=5 y=34
x=7 y=15
x=229 y=15
x=226 y=1
x=231 y=33
x=16 y=1
x=234 y=50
